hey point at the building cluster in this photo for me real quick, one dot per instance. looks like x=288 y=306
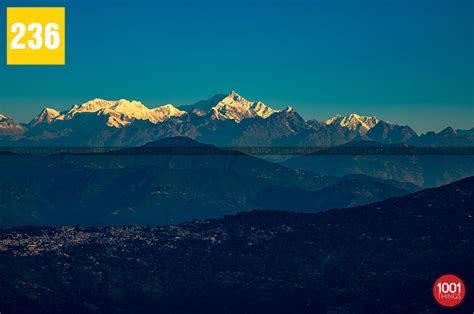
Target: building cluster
x=31 y=241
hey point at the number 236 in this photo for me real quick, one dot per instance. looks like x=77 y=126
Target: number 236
x=51 y=36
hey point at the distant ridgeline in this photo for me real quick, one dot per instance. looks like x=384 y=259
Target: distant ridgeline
x=223 y=120
x=130 y=189
x=125 y=188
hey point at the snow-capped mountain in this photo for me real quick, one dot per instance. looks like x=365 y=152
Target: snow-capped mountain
x=224 y=120
x=119 y=113
x=47 y=115
x=9 y=129
x=165 y=112
x=230 y=106
x=7 y=123
x=354 y=122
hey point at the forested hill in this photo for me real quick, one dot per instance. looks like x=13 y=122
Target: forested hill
x=379 y=258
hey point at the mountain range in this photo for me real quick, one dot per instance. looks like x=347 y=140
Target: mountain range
x=424 y=170
x=223 y=120
x=353 y=260
x=138 y=189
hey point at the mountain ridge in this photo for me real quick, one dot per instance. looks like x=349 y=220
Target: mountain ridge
x=129 y=188
x=354 y=122
x=119 y=113
x=223 y=120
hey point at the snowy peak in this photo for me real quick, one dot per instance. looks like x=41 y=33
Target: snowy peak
x=118 y=113
x=262 y=110
x=354 y=122
x=165 y=112
x=7 y=124
x=104 y=107
x=233 y=107
x=121 y=112
x=47 y=115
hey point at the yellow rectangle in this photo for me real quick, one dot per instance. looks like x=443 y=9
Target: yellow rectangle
x=36 y=36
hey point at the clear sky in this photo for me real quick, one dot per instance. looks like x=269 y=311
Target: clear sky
x=406 y=61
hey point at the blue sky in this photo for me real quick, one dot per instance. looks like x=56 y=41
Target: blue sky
x=409 y=62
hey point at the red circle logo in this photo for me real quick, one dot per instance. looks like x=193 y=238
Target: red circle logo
x=449 y=290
